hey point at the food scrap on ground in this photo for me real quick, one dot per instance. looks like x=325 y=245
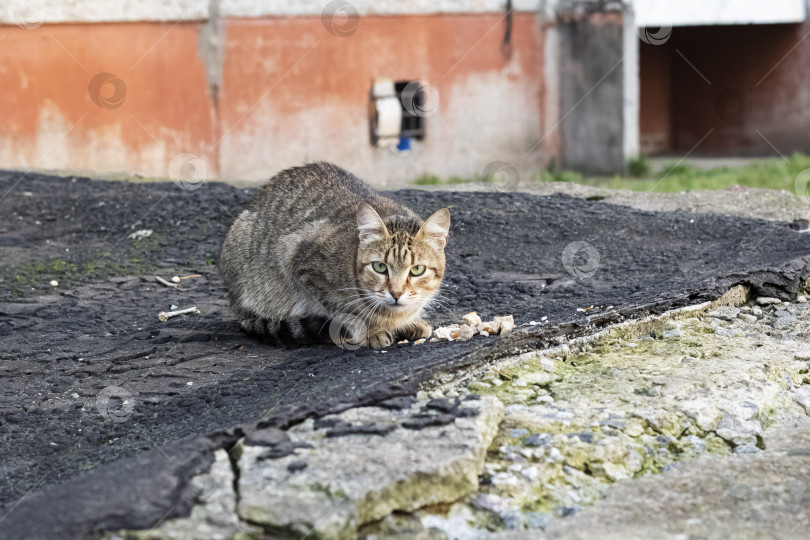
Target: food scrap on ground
x=177 y=279
x=141 y=234
x=471 y=324
x=164 y=282
x=166 y=315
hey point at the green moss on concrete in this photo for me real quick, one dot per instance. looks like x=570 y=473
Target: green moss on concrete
x=717 y=446
x=624 y=367
x=34 y=277
x=641 y=404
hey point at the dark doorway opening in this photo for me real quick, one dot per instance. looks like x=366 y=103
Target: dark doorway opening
x=726 y=91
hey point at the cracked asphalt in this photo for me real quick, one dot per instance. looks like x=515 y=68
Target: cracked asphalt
x=106 y=412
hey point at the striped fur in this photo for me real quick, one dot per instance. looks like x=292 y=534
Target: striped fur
x=305 y=249
x=289 y=333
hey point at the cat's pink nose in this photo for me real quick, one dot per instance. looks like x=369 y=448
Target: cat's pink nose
x=396 y=295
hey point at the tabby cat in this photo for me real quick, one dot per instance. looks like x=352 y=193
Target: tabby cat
x=320 y=257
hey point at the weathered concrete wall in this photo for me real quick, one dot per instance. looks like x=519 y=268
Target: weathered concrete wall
x=35 y=12
x=656 y=13
x=249 y=96
x=59 y=11
x=592 y=91
x=648 y=12
x=262 y=8
x=238 y=89
x=294 y=93
x=59 y=110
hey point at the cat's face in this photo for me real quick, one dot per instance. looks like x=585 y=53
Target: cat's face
x=402 y=268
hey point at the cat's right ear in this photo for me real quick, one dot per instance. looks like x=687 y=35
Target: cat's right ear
x=436 y=228
x=370 y=225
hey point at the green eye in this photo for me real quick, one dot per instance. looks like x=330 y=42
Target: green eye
x=418 y=270
x=379 y=267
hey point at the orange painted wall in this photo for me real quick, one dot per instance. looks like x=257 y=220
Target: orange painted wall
x=50 y=120
x=293 y=92
x=290 y=92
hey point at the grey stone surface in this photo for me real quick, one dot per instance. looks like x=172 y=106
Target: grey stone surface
x=633 y=415
x=726 y=313
x=765 y=495
x=737 y=201
x=355 y=479
x=802 y=397
x=213 y=516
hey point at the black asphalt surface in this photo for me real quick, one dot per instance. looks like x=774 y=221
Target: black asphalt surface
x=97 y=458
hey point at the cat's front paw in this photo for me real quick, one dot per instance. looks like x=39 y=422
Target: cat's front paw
x=380 y=340
x=418 y=329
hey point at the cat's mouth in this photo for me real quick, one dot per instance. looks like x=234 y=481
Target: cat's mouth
x=398 y=306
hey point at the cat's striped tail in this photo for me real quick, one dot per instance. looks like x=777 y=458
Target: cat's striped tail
x=289 y=333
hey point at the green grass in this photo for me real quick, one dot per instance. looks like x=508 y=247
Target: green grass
x=433 y=180
x=768 y=173
x=428 y=180
x=639 y=167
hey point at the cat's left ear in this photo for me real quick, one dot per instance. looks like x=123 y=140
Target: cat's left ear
x=369 y=224
x=436 y=228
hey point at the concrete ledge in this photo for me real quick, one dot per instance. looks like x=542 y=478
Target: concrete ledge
x=701 y=12
x=254 y=8
x=32 y=13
